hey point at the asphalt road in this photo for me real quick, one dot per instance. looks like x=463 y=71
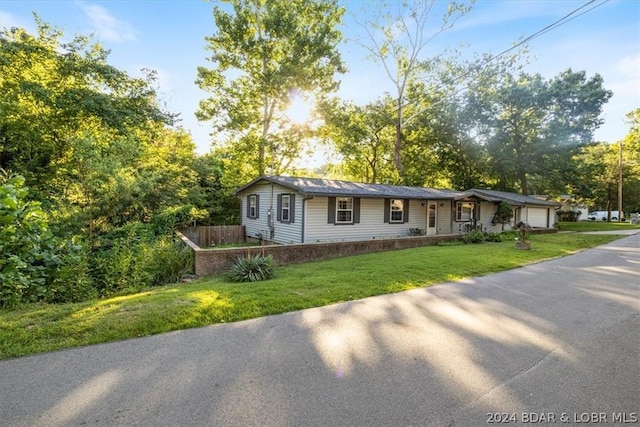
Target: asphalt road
x=552 y=343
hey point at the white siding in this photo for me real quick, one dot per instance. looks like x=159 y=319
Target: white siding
x=283 y=233
x=443 y=219
x=372 y=225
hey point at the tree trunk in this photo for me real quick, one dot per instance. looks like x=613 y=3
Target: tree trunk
x=524 y=183
x=397 y=152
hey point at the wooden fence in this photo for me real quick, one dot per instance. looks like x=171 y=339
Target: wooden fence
x=215 y=235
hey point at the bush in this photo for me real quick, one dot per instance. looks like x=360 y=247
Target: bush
x=252 y=268
x=474 y=236
x=493 y=237
x=417 y=232
x=28 y=249
x=568 y=216
x=132 y=258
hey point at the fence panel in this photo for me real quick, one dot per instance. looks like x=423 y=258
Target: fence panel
x=215 y=235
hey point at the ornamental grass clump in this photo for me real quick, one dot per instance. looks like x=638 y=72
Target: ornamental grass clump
x=251 y=268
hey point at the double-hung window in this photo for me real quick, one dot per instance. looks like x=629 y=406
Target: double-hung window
x=285 y=212
x=397 y=210
x=464 y=211
x=344 y=210
x=253 y=201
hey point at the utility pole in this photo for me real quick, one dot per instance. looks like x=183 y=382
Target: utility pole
x=620 y=212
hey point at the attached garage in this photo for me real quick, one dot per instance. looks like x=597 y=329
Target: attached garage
x=538 y=212
x=538 y=217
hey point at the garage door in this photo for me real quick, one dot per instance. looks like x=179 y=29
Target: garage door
x=537 y=217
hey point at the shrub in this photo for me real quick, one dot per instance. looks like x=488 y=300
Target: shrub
x=28 y=249
x=474 y=236
x=133 y=257
x=568 y=216
x=251 y=268
x=417 y=232
x=493 y=237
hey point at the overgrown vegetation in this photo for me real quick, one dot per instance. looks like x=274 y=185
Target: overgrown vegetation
x=46 y=327
x=94 y=177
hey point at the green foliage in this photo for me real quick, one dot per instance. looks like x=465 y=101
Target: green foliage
x=134 y=257
x=493 y=237
x=530 y=125
x=252 y=268
x=474 y=236
x=503 y=214
x=28 y=254
x=568 y=216
x=264 y=53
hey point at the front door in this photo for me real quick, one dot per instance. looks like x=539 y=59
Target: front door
x=431 y=218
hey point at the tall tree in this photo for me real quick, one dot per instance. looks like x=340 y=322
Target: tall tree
x=363 y=136
x=528 y=123
x=264 y=53
x=52 y=93
x=398 y=41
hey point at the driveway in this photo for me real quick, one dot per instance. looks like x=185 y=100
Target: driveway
x=557 y=342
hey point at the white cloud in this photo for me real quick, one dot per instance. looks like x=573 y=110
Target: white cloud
x=9 y=20
x=107 y=26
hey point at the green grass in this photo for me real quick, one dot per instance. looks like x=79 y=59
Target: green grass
x=597 y=226
x=42 y=328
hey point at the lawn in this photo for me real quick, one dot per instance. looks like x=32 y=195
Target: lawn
x=597 y=226
x=42 y=328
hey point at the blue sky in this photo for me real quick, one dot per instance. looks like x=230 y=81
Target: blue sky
x=168 y=36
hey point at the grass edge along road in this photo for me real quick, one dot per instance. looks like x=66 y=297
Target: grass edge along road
x=42 y=328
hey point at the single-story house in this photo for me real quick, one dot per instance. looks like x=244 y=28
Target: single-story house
x=536 y=212
x=289 y=210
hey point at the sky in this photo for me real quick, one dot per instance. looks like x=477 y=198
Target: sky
x=169 y=37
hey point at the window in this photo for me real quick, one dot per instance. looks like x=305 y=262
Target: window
x=397 y=210
x=253 y=209
x=344 y=210
x=286 y=208
x=464 y=211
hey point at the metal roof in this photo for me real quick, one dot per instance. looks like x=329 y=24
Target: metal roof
x=512 y=198
x=331 y=187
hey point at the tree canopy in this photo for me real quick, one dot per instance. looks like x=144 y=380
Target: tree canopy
x=265 y=53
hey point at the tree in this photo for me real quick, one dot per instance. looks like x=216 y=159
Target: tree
x=528 y=123
x=363 y=136
x=54 y=93
x=398 y=42
x=264 y=53
x=503 y=214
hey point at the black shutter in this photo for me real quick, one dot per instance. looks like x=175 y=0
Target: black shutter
x=279 y=208
x=331 y=214
x=405 y=208
x=292 y=208
x=356 y=210
x=387 y=208
x=248 y=206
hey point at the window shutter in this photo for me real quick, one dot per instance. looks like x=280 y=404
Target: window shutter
x=279 y=208
x=331 y=211
x=356 y=210
x=405 y=208
x=257 y=206
x=387 y=209
x=248 y=206
x=292 y=208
